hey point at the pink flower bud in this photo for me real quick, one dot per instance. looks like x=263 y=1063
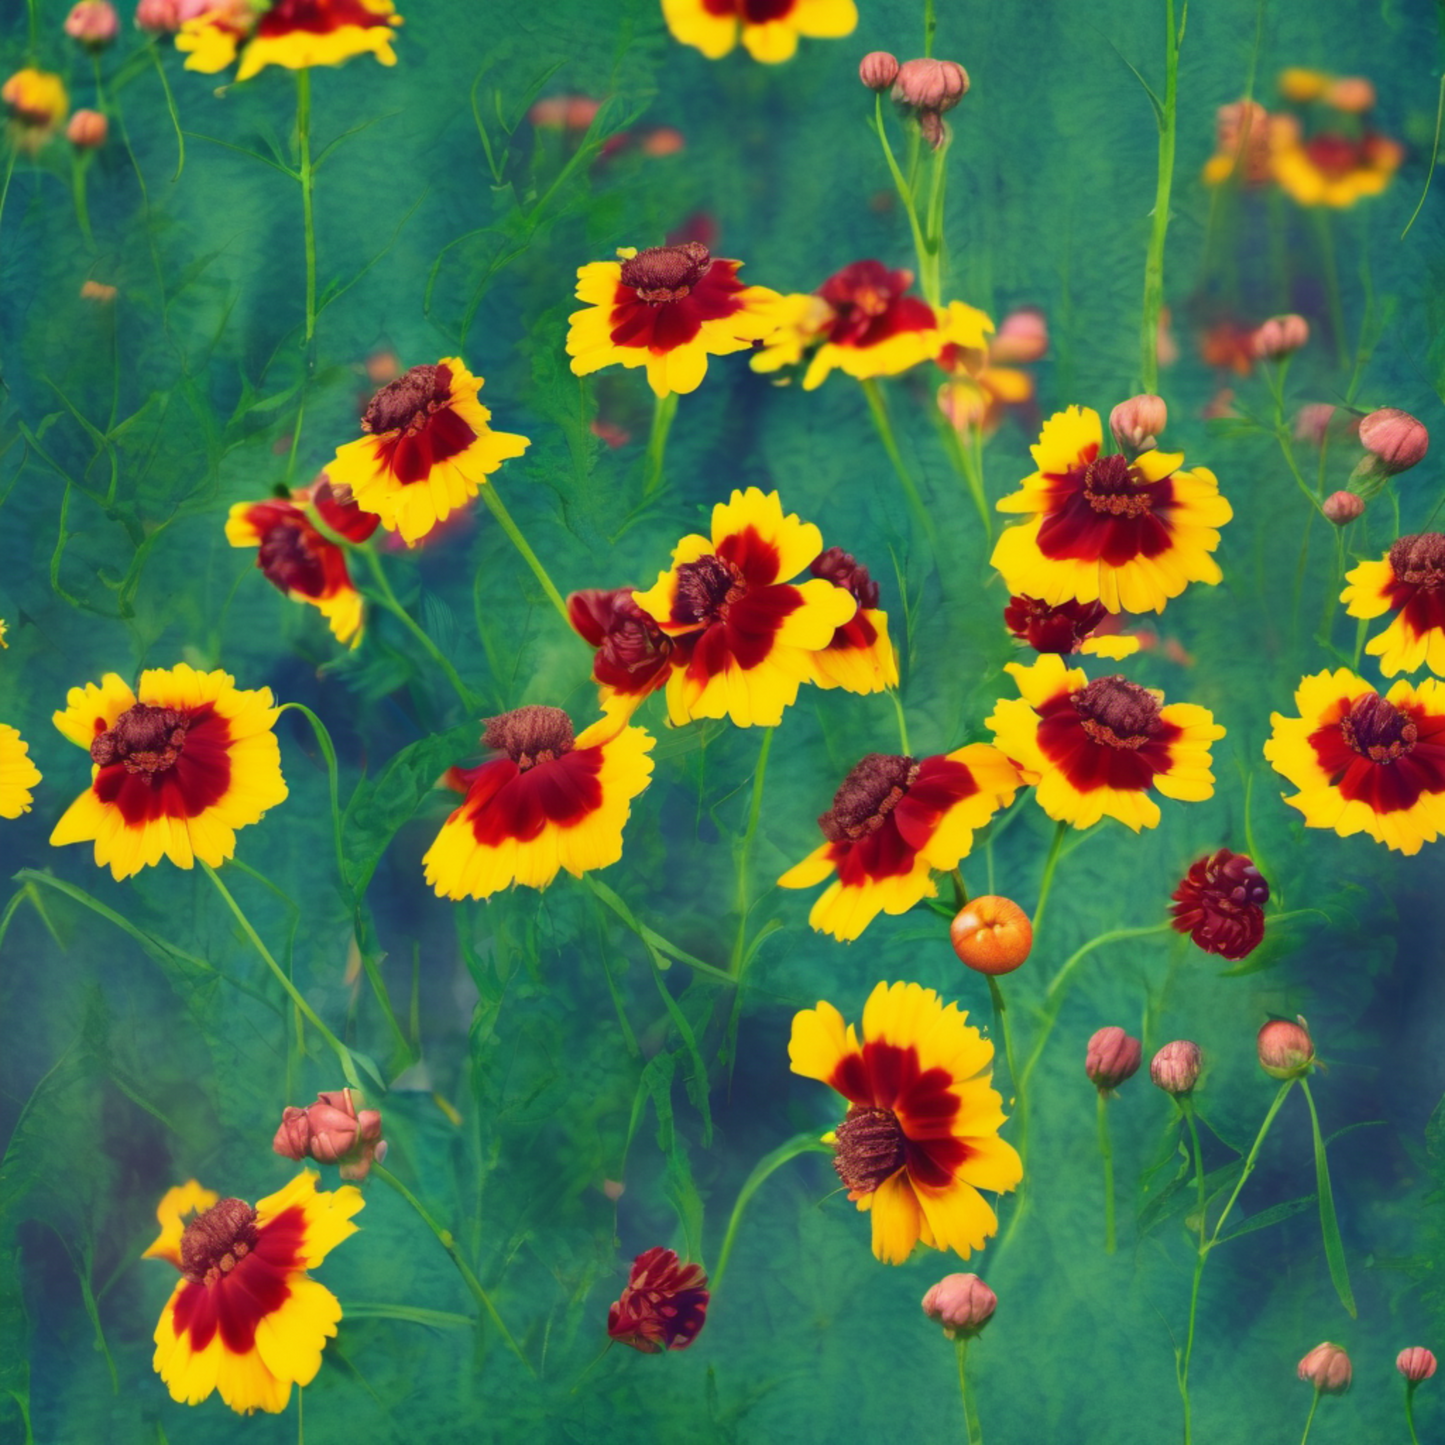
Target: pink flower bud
x=1136 y=423
x=1395 y=439
x=1112 y=1058
x=962 y=1303
x=878 y=70
x=1286 y=1050
x=1022 y=337
x=332 y=1131
x=1175 y=1068
x=93 y=23
x=87 y=130
x=1279 y=337
x=1327 y=1368
x=1415 y=1364
x=293 y=1138
x=1312 y=422
x=1351 y=93
x=930 y=85
x=1342 y=508
x=158 y=15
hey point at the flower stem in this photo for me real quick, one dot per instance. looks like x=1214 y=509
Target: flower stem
x=1106 y=1153
x=1154 y=262
x=904 y=189
x=1410 y=1410
x=878 y=409
x=1000 y=1023
x=1250 y=1160
x=744 y=854
x=306 y=175
x=966 y=464
x=444 y=1238
x=388 y=600
x=970 y=1412
x=807 y=1143
x=79 y=164
x=902 y=720
x=514 y=533
x=1047 y=882
x=930 y=276
x=1186 y=1108
x=930 y=27
x=662 y=415
x=1314 y=1405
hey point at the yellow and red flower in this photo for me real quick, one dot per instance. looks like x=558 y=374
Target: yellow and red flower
x=986 y=380
x=550 y=802
x=245 y=1318
x=920 y=1138
x=1330 y=169
x=178 y=765
x=1410 y=582
x=296 y=34
x=1364 y=763
x=38 y=103
x=298 y=560
x=1096 y=749
x=751 y=633
x=893 y=822
x=1128 y=534
x=860 y=658
x=667 y=308
x=768 y=28
x=17 y=773
x=429 y=449
x=634 y=655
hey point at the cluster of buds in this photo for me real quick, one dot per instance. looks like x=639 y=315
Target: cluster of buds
x=333 y=1131
x=962 y=1303
x=992 y=935
x=1112 y=1058
x=926 y=88
x=1279 y=337
x=1137 y=423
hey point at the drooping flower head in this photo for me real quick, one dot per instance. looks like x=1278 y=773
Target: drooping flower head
x=752 y=633
x=38 y=103
x=769 y=29
x=1409 y=581
x=667 y=308
x=245 y=1318
x=893 y=822
x=860 y=658
x=17 y=773
x=663 y=1306
x=1128 y=534
x=550 y=801
x=429 y=448
x=298 y=560
x=1220 y=904
x=920 y=1138
x=1068 y=628
x=178 y=765
x=1097 y=749
x=296 y=34
x=634 y=655
x=1365 y=763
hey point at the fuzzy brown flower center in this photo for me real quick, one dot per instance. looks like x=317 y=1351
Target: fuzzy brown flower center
x=1419 y=560
x=869 y=1148
x=666 y=273
x=216 y=1241
x=530 y=735
x=287 y=559
x=1112 y=487
x=1378 y=730
x=842 y=569
x=1117 y=713
x=408 y=402
x=869 y=794
x=706 y=589
x=145 y=739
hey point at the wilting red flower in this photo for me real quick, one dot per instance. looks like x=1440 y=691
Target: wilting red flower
x=1220 y=903
x=634 y=655
x=1065 y=629
x=664 y=1305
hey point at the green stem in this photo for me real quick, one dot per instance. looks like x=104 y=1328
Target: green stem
x=878 y=409
x=965 y=463
x=1047 y=882
x=745 y=849
x=904 y=189
x=154 y=48
x=1410 y=1410
x=970 y=1411
x=514 y=533
x=1314 y=1405
x=1154 y=263
x=1106 y=1153
x=930 y=27
x=1000 y=1023
x=388 y=600
x=79 y=163
x=1250 y=1160
x=1186 y=1107
x=902 y=721
x=1329 y=1224
x=306 y=175
x=765 y=1167
x=444 y=1238
x=662 y=414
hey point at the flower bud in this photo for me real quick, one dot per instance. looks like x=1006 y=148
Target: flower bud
x=332 y=1131
x=293 y=1138
x=1342 y=508
x=93 y=23
x=962 y=1303
x=1136 y=423
x=878 y=70
x=1415 y=1364
x=1022 y=337
x=992 y=935
x=1279 y=337
x=1175 y=1068
x=1112 y=1058
x=1395 y=439
x=1351 y=93
x=1312 y=422
x=930 y=85
x=1286 y=1050
x=1327 y=1368
x=157 y=15
x=87 y=130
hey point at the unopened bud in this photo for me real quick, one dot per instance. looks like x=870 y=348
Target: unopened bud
x=878 y=70
x=1312 y=422
x=1279 y=337
x=1415 y=1364
x=158 y=15
x=93 y=23
x=333 y=1131
x=1175 y=1068
x=87 y=130
x=1342 y=508
x=1351 y=93
x=1327 y=1368
x=1286 y=1050
x=992 y=935
x=1022 y=336
x=962 y=1303
x=1395 y=439
x=1112 y=1058
x=930 y=85
x=1136 y=423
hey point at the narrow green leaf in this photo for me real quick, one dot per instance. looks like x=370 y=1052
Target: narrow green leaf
x=1329 y=1225
x=1273 y=1215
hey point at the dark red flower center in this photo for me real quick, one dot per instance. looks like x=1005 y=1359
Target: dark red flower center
x=1117 y=712
x=706 y=589
x=870 y=1147
x=530 y=735
x=288 y=560
x=843 y=570
x=1335 y=155
x=869 y=794
x=1378 y=730
x=1112 y=487
x=666 y=273
x=216 y=1241
x=145 y=739
x=751 y=12
x=407 y=403
x=1419 y=560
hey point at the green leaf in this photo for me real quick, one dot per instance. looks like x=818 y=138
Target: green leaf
x=1181 y=1193
x=1272 y=1215
x=1329 y=1225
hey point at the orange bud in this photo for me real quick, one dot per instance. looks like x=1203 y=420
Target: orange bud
x=992 y=935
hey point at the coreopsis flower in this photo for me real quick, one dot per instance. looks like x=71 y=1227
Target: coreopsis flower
x=1068 y=628
x=751 y=633
x=986 y=380
x=1128 y=534
x=1220 y=904
x=667 y=308
x=768 y=29
x=893 y=822
x=1097 y=749
x=634 y=655
x=1330 y=169
x=298 y=560
x=862 y=321
x=1365 y=763
x=663 y=1306
x=177 y=766
x=860 y=658
x=429 y=448
x=550 y=801
x=17 y=773
x=245 y=1318
x=38 y=103
x=296 y=34
x=920 y=1138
